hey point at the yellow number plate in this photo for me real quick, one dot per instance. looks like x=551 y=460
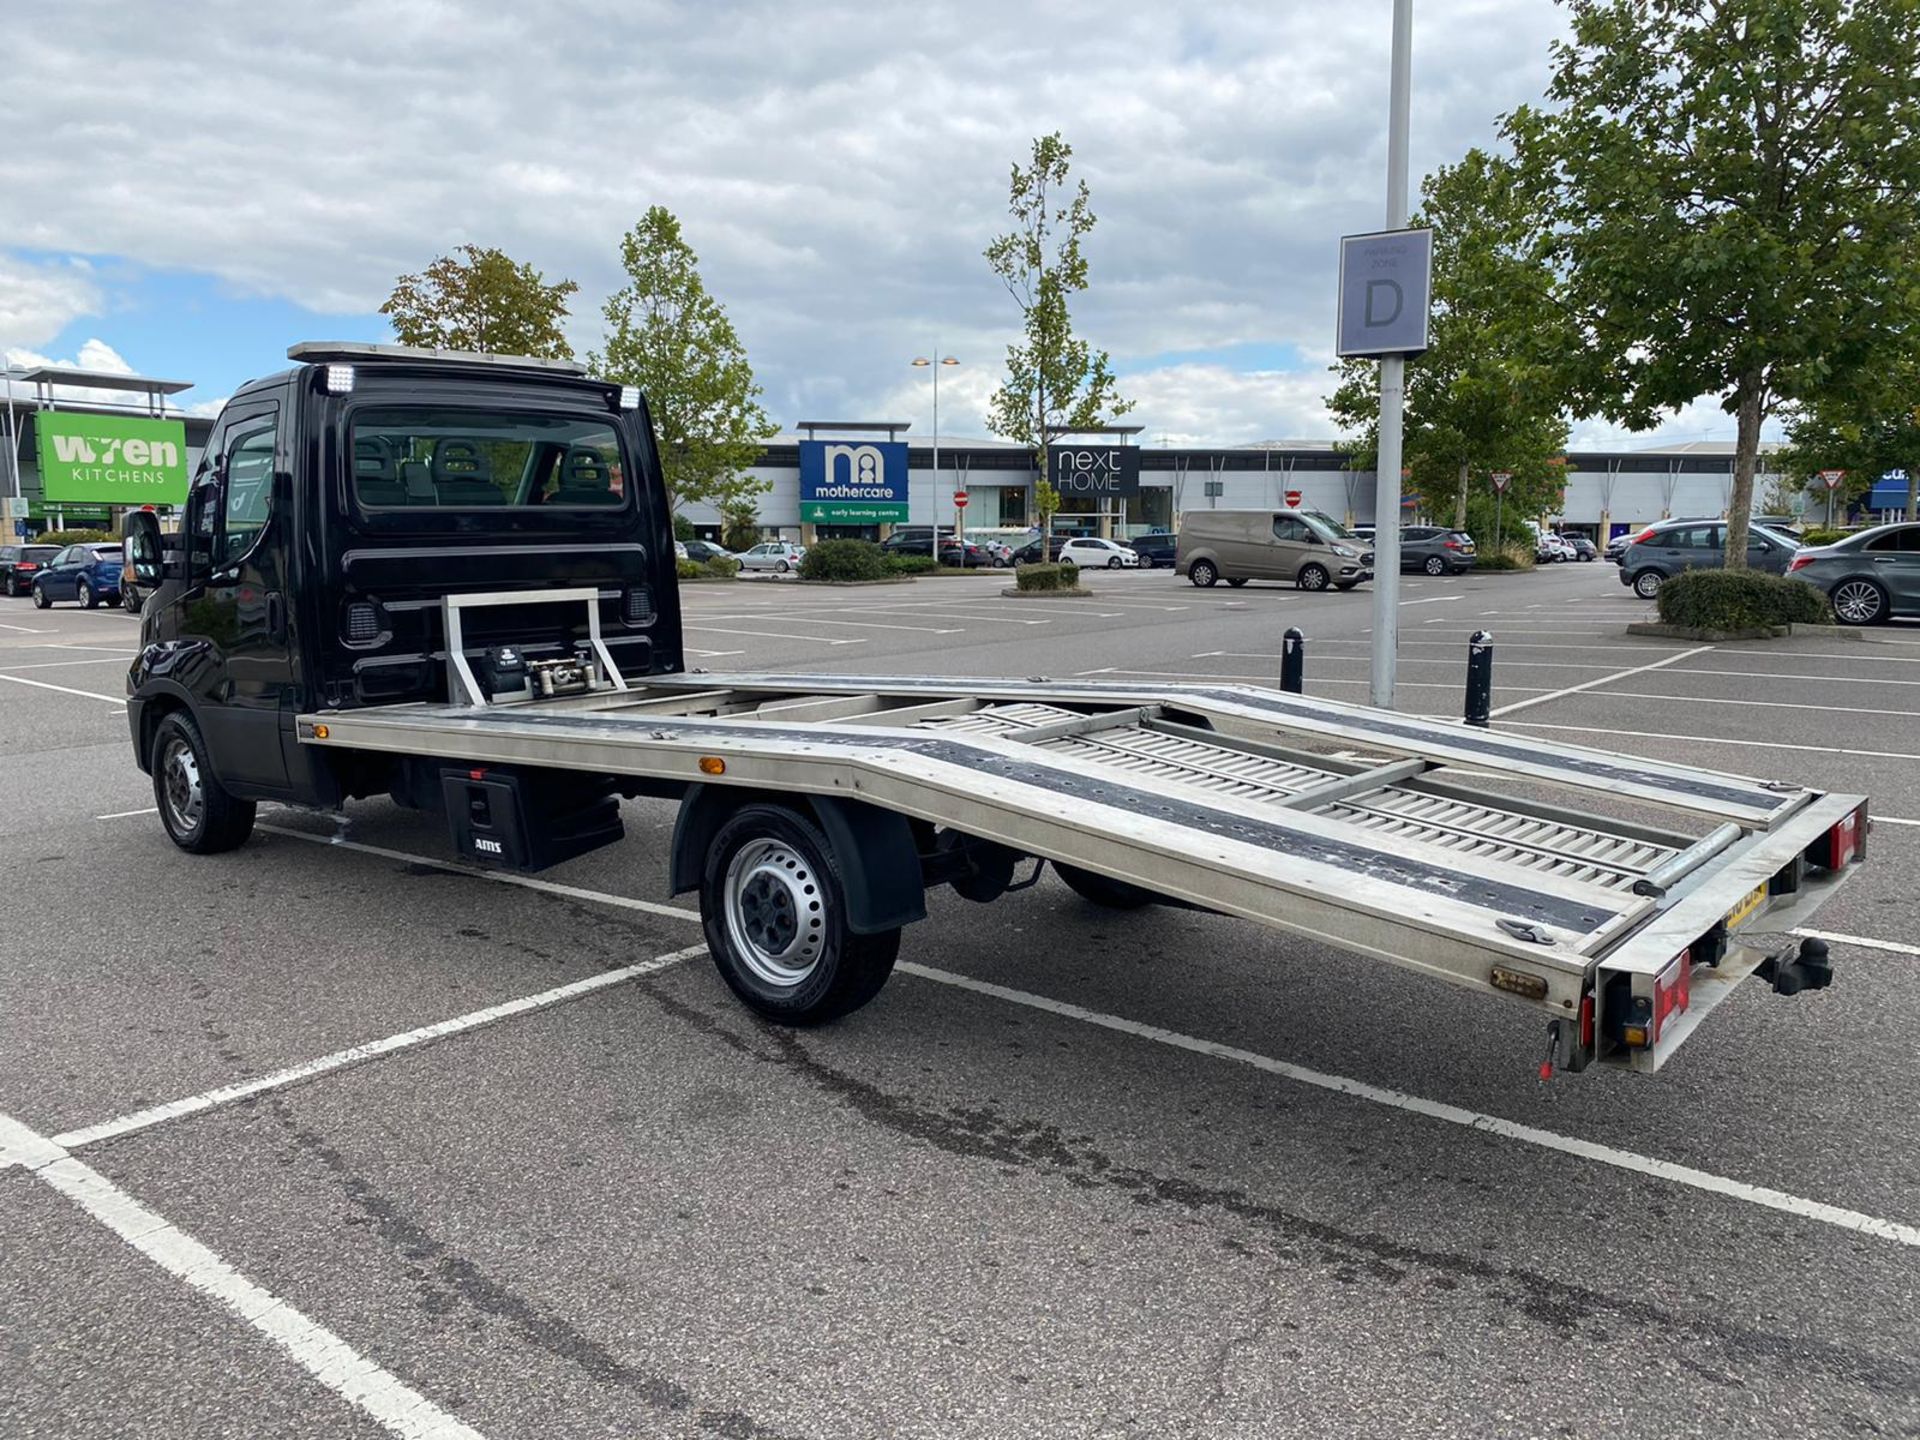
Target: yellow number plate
x=1743 y=912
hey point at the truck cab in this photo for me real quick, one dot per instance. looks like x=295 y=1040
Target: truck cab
x=336 y=504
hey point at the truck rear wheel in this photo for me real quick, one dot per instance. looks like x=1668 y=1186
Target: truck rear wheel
x=774 y=909
x=198 y=813
x=1102 y=889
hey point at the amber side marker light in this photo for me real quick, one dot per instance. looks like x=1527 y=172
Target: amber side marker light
x=320 y=732
x=1518 y=982
x=712 y=765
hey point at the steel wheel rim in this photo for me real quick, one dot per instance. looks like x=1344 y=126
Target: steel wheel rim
x=1856 y=602
x=1313 y=578
x=180 y=789
x=1647 y=586
x=775 y=913
x=1435 y=565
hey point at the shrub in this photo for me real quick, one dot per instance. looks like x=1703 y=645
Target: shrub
x=1508 y=557
x=1824 y=537
x=909 y=564
x=689 y=569
x=682 y=528
x=1740 y=600
x=1064 y=576
x=844 y=560
x=70 y=537
x=722 y=567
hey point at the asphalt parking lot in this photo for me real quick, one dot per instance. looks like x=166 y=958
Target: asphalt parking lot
x=363 y=1143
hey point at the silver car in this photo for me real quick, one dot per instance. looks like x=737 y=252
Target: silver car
x=1664 y=550
x=776 y=555
x=1870 y=577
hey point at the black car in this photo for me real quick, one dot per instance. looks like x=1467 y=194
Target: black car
x=1029 y=553
x=1155 y=550
x=20 y=563
x=702 y=551
x=1436 y=549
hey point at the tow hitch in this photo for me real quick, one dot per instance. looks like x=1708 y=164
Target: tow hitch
x=1804 y=966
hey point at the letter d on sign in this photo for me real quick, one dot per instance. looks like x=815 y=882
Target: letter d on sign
x=1373 y=289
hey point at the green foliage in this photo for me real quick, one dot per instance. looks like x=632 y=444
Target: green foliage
x=1740 y=600
x=70 y=537
x=1483 y=397
x=706 y=569
x=740 y=524
x=480 y=299
x=683 y=528
x=1064 y=576
x=910 y=564
x=722 y=567
x=843 y=560
x=669 y=336
x=1726 y=188
x=1507 y=557
x=1056 y=383
x=1819 y=536
x=1866 y=430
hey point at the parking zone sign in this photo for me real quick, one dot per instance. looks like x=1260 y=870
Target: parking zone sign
x=1386 y=284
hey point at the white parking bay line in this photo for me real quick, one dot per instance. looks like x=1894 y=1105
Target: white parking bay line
x=525 y=882
x=1452 y=1114
x=762 y=634
x=1744 y=704
x=353 y=1055
x=316 y=1349
x=1866 y=942
x=26 y=630
x=1270 y=680
x=1612 y=734
x=124 y=814
x=64 y=689
x=1434 y=600
x=62 y=664
x=1601 y=680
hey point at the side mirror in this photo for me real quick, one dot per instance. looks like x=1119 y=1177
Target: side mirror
x=141 y=538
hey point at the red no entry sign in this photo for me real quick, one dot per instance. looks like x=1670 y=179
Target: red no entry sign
x=1294 y=497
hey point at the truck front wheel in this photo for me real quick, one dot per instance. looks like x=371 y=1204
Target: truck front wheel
x=198 y=813
x=774 y=909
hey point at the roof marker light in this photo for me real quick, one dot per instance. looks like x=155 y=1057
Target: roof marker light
x=629 y=397
x=339 y=379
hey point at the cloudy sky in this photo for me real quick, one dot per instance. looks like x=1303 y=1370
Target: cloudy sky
x=186 y=198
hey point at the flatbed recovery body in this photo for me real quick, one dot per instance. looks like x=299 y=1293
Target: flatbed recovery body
x=450 y=580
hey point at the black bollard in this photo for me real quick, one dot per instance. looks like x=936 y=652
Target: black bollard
x=1480 y=678
x=1293 y=661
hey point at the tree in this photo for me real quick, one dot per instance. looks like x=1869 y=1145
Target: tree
x=480 y=299
x=739 y=523
x=1056 y=383
x=669 y=336
x=1728 y=190
x=1482 y=398
x=1867 y=435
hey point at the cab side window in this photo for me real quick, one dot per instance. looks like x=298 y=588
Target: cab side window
x=249 y=490
x=1285 y=527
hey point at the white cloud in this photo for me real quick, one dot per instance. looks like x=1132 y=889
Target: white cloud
x=38 y=301
x=94 y=355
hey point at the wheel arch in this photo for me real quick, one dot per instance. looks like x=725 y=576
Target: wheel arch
x=874 y=849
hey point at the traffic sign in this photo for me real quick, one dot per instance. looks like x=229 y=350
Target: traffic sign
x=1294 y=497
x=1832 y=478
x=960 y=500
x=1502 y=479
x=1385 y=283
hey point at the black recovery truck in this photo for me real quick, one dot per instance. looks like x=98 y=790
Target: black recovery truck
x=450 y=579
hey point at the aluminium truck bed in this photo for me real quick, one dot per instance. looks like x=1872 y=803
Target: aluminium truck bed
x=1365 y=829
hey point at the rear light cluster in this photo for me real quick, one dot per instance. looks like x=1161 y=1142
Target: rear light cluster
x=1845 y=842
x=1799 y=562
x=1647 y=1018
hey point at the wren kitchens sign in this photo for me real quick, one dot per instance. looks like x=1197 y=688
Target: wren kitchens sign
x=111 y=459
x=849 y=484
x=1094 y=469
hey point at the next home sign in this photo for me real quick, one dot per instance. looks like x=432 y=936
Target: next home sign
x=843 y=483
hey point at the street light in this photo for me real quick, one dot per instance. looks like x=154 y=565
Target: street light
x=922 y=362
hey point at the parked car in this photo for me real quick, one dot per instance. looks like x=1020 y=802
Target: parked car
x=680 y=550
x=1436 y=549
x=777 y=555
x=1301 y=547
x=1583 y=548
x=1090 y=553
x=966 y=554
x=20 y=563
x=88 y=573
x=1154 y=549
x=1617 y=546
x=1664 y=550
x=702 y=551
x=1550 y=548
x=997 y=551
x=1029 y=553
x=1869 y=577
x=1792 y=526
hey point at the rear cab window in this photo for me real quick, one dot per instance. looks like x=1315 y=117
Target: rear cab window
x=453 y=458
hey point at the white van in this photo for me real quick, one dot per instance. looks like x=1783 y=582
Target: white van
x=1301 y=547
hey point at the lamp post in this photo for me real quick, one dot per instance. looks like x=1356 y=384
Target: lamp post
x=923 y=362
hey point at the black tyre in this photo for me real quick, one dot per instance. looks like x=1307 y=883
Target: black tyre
x=774 y=911
x=83 y=592
x=1236 y=584
x=1312 y=577
x=1647 y=584
x=1204 y=573
x=783 y=567
x=14 y=591
x=130 y=601
x=198 y=813
x=40 y=600
x=1435 y=565
x=1113 y=562
x=1103 y=890
x=1859 y=602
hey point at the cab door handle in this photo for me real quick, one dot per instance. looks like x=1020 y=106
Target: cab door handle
x=276 y=616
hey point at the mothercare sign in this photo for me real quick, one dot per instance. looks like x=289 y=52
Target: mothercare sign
x=111 y=459
x=842 y=484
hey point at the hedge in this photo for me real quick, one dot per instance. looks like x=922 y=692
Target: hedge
x=71 y=537
x=1818 y=536
x=1740 y=600
x=844 y=560
x=1064 y=576
x=715 y=569
x=1508 y=557
x=909 y=564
